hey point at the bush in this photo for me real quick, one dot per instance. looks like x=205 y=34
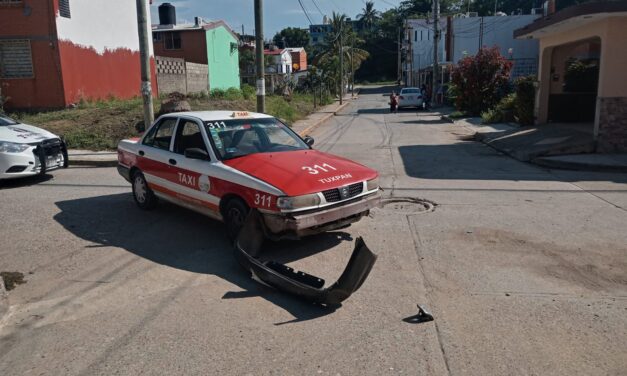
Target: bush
x=248 y=91
x=480 y=81
x=502 y=112
x=525 y=99
x=218 y=93
x=233 y=93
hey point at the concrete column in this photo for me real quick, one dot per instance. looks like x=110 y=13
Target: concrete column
x=541 y=107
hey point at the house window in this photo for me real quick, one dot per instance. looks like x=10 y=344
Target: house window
x=64 y=8
x=15 y=59
x=10 y=2
x=415 y=35
x=172 y=40
x=157 y=37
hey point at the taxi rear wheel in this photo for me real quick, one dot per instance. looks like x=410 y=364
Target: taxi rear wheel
x=235 y=212
x=143 y=195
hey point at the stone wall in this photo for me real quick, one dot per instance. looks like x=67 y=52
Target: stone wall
x=612 y=136
x=176 y=75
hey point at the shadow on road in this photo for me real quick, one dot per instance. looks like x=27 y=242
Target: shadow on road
x=385 y=90
x=469 y=160
x=24 y=182
x=182 y=239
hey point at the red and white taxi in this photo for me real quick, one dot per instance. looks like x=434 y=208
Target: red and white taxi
x=223 y=164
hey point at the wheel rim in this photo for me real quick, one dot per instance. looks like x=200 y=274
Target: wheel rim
x=140 y=189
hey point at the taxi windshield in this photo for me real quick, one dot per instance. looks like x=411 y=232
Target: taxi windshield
x=240 y=137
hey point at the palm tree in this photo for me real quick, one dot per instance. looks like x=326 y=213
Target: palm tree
x=341 y=40
x=369 y=15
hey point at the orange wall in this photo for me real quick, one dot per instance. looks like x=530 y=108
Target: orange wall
x=301 y=59
x=89 y=75
x=193 y=47
x=45 y=88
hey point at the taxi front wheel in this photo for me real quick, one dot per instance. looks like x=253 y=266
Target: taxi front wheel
x=143 y=195
x=235 y=216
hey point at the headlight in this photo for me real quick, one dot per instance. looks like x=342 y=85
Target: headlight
x=12 y=147
x=372 y=184
x=297 y=202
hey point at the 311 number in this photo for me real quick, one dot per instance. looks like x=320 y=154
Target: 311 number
x=315 y=169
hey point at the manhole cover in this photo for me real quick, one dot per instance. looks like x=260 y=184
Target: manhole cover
x=407 y=205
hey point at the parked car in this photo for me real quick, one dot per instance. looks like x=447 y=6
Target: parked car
x=26 y=150
x=410 y=97
x=223 y=164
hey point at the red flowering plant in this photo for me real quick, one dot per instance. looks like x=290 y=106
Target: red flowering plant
x=480 y=81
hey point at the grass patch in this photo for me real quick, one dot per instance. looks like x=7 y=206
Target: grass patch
x=100 y=125
x=457 y=114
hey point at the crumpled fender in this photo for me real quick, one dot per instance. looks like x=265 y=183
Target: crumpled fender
x=284 y=278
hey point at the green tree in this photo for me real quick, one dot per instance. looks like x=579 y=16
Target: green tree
x=292 y=37
x=369 y=15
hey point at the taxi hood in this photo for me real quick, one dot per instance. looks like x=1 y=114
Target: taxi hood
x=23 y=133
x=303 y=171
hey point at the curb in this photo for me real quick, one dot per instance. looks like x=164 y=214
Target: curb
x=447 y=119
x=4 y=300
x=312 y=127
x=563 y=165
x=91 y=163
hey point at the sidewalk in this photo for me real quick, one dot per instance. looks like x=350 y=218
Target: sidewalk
x=303 y=127
x=560 y=146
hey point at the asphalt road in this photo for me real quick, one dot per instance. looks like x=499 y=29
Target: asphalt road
x=524 y=269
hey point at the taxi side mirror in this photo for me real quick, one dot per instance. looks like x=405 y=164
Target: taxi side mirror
x=309 y=141
x=196 y=153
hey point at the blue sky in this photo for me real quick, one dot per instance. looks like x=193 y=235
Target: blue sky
x=277 y=13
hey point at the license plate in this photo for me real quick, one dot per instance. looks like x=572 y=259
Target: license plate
x=53 y=160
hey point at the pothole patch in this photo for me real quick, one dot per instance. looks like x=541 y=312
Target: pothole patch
x=12 y=279
x=407 y=205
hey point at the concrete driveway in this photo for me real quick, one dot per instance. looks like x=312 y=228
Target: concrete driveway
x=524 y=269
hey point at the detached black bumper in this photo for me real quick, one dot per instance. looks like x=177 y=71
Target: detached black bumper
x=284 y=278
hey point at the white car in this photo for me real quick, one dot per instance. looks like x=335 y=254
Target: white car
x=26 y=150
x=410 y=97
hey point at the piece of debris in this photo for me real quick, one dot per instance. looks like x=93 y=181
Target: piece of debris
x=284 y=278
x=12 y=279
x=423 y=315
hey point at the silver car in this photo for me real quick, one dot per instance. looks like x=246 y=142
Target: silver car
x=410 y=97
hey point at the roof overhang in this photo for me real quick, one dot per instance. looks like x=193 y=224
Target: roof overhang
x=571 y=18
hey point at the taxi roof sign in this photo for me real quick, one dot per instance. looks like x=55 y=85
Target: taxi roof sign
x=240 y=114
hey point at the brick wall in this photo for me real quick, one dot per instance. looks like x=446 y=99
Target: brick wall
x=197 y=77
x=612 y=125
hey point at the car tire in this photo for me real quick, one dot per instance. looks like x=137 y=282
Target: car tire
x=144 y=196
x=235 y=213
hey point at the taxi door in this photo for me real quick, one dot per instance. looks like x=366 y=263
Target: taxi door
x=192 y=171
x=155 y=156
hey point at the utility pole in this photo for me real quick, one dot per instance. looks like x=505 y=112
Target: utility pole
x=261 y=81
x=353 y=67
x=480 y=33
x=144 y=62
x=398 y=44
x=341 y=63
x=436 y=38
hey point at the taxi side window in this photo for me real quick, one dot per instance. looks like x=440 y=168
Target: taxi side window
x=161 y=134
x=188 y=136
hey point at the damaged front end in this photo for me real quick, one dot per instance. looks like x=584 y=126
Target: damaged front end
x=282 y=277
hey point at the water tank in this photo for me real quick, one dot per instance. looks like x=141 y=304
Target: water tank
x=167 y=14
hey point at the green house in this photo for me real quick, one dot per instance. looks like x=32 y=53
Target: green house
x=211 y=43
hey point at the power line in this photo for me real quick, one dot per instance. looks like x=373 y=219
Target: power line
x=317 y=7
x=304 y=11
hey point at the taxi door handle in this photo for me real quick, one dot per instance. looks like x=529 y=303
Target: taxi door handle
x=141 y=152
x=172 y=161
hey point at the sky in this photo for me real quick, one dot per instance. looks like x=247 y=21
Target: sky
x=278 y=14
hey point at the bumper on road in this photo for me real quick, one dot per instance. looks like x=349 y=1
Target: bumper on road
x=321 y=220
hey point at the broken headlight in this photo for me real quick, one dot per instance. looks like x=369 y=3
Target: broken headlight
x=12 y=147
x=372 y=184
x=298 y=202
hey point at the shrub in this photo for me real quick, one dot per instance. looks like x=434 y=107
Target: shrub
x=233 y=93
x=480 y=81
x=525 y=98
x=502 y=112
x=248 y=91
x=218 y=93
